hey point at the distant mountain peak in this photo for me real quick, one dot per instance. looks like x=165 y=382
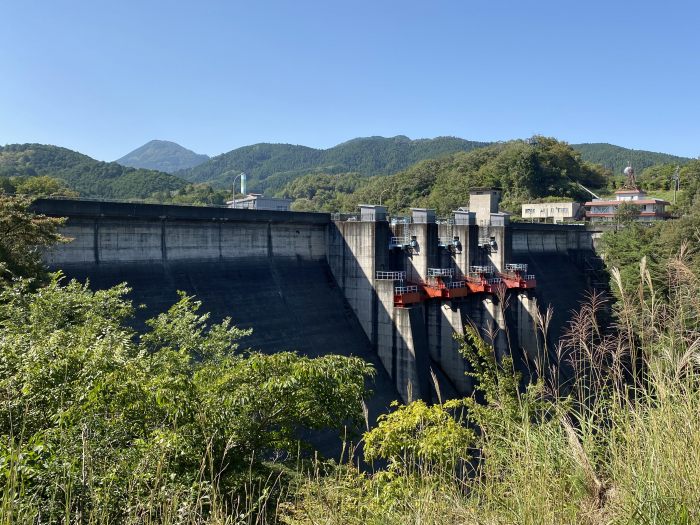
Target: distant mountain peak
x=162 y=155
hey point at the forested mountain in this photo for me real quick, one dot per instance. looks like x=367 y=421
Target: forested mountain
x=616 y=158
x=162 y=155
x=534 y=169
x=327 y=179
x=270 y=166
x=87 y=176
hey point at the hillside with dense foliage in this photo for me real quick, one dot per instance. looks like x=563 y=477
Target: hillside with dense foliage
x=533 y=169
x=270 y=166
x=80 y=173
x=431 y=172
x=617 y=158
x=162 y=155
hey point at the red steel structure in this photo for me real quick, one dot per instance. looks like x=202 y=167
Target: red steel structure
x=441 y=285
x=516 y=276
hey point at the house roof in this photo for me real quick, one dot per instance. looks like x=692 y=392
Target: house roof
x=629 y=191
x=617 y=203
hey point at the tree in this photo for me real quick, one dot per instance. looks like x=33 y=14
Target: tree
x=626 y=213
x=23 y=235
x=96 y=421
x=42 y=186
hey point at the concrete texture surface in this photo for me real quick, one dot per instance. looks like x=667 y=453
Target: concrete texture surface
x=291 y=304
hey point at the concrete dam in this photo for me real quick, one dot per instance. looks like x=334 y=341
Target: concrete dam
x=391 y=291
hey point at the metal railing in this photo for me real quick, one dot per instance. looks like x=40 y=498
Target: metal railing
x=530 y=277
x=125 y=200
x=347 y=217
x=494 y=280
x=481 y=269
x=440 y=272
x=456 y=284
x=513 y=267
x=390 y=276
x=400 y=290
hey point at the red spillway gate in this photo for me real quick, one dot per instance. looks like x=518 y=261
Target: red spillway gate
x=516 y=276
x=407 y=295
x=440 y=283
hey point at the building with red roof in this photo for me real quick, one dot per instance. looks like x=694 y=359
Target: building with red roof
x=650 y=208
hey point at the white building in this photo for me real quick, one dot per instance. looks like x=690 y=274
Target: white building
x=257 y=201
x=551 y=211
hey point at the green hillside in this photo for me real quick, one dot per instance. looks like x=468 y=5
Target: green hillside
x=87 y=176
x=535 y=169
x=616 y=158
x=270 y=166
x=162 y=155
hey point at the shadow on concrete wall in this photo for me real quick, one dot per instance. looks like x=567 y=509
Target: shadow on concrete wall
x=290 y=303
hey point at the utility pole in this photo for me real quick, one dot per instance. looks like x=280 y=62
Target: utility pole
x=676 y=178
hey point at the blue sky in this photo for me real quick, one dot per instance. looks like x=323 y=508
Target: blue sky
x=105 y=77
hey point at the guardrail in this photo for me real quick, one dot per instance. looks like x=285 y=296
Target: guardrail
x=346 y=217
x=120 y=201
x=440 y=272
x=400 y=290
x=513 y=267
x=390 y=276
x=481 y=269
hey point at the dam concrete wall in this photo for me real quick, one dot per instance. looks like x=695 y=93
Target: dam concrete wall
x=306 y=283
x=106 y=232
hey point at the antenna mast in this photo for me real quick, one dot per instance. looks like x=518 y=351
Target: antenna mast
x=631 y=183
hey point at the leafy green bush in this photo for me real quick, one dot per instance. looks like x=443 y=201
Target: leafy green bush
x=96 y=425
x=22 y=235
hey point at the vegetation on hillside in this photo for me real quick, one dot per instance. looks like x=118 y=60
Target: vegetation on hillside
x=616 y=158
x=323 y=192
x=524 y=170
x=192 y=194
x=19 y=163
x=658 y=242
x=162 y=155
x=430 y=172
x=270 y=166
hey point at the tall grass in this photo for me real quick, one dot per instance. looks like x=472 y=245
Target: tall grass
x=203 y=502
x=609 y=434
